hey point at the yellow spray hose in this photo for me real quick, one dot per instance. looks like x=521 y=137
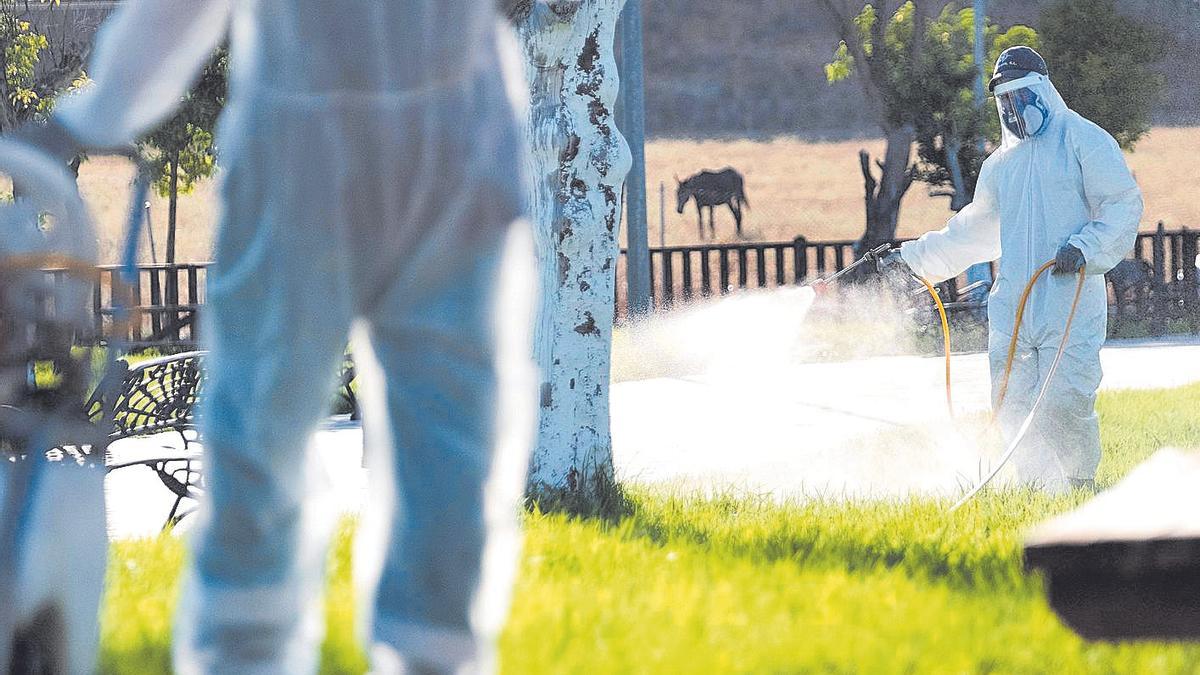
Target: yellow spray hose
x=937 y=300
x=1012 y=344
x=1012 y=350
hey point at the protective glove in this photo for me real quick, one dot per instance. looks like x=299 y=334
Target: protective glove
x=1068 y=261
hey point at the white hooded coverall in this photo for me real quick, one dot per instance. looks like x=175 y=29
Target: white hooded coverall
x=1068 y=183
x=372 y=174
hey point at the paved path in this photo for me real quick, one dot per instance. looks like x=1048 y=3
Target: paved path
x=138 y=503
x=875 y=426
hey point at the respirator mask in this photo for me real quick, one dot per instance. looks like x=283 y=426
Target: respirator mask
x=1022 y=110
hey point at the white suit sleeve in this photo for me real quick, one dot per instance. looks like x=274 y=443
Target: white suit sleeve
x=146 y=57
x=1114 y=199
x=971 y=236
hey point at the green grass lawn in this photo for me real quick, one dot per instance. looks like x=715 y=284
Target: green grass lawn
x=739 y=585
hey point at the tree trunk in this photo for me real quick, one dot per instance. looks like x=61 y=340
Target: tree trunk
x=578 y=162
x=883 y=196
x=172 y=285
x=172 y=203
x=960 y=196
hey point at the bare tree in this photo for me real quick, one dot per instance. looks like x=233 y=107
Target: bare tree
x=578 y=163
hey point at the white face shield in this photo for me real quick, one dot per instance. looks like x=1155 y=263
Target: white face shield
x=1024 y=105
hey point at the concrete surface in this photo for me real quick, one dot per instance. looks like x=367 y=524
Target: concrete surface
x=875 y=426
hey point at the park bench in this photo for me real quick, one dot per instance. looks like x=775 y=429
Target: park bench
x=161 y=395
x=154 y=396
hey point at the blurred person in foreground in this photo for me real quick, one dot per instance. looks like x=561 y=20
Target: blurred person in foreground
x=1057 y=189
x=372 y=178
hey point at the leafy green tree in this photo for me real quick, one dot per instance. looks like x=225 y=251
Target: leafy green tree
x=876 y=44
x=40 y=57
x=919 y=73
x=38 y=60
x=1101 y=62
x=22 y=47
x=181 y=150
x=950 y=122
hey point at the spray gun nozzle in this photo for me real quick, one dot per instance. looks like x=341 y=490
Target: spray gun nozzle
x=872 y=256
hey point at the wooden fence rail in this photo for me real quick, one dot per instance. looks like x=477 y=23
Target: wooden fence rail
x=680 y=274
x=1160 y=295
x=165 y=305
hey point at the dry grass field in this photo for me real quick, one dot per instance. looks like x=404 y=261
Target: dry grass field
x=105 y=185
x=815 y=189
x=795 y=188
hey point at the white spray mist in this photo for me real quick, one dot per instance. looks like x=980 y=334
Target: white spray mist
x=783 y=392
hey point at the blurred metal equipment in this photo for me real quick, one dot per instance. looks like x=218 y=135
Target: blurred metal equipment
x=52 y=534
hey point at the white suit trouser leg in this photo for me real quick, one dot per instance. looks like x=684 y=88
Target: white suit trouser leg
x=251 y=604
x=458 y=386
x=1063 y=442
x=276 y=331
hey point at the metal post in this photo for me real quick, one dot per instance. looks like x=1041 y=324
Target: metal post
x=981 y=271
x=631 y=121
x=150 y=234
x=980 y=7
x=662 y=215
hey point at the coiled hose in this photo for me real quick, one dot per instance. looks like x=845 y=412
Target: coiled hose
x=1012 y=351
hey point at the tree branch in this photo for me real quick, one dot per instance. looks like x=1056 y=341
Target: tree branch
x=870 y=78
x=869 y=182
x=910 y=174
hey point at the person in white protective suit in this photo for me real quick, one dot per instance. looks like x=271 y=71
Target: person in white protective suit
x=1057 y=189
x=372 y=176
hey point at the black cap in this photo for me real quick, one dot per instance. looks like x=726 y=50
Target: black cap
x=1015 y=63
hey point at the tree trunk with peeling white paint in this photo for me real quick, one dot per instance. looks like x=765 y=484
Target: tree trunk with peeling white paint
x=578 y=164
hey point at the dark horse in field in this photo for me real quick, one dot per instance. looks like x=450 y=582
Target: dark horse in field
x=712 y=188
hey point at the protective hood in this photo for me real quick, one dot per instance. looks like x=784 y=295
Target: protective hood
x=1026 y=107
